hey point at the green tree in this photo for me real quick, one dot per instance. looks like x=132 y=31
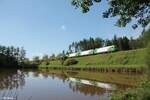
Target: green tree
x=125 y=10
x=45 y=57
x=52 y=57
x=98 y=43
x=62 y=57
x=22 y=55
x=11 y=56
x=146 y=37
x=36 y=60
x=125 y=43
x=108 y=42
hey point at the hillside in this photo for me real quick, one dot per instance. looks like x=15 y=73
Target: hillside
x=131 y=58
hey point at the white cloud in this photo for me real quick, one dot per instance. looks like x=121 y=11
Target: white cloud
x=63 y=27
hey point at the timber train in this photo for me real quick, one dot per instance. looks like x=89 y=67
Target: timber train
x=106 y=49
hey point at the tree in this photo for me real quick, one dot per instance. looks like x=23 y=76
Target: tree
x=108 y=42
x=125 y=10
x=11 y=56
x=45 y=58
x=52 y=57
x=36 y=60
x=146 y=37
x=76 y=47
x=62 y=57
x=70 y=50
x=86 y=44
x=125 y=43
x=99 y=42
x=22 y=55
x=115 y=41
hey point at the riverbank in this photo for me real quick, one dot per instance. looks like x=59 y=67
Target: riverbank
x=132 y=60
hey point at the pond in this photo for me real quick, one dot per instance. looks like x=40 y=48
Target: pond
x=46 y=84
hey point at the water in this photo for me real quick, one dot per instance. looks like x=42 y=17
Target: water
x=61 y=85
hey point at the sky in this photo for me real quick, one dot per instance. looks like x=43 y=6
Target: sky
x=49 y=26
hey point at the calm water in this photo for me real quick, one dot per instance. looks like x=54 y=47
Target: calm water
x=61 y=85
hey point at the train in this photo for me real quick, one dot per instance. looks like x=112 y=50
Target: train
x=106 y=49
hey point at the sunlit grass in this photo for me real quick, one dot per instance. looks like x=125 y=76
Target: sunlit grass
x=129 y=59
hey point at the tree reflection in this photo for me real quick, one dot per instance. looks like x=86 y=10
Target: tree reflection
x=54 y=74
x=75 y=86
x=10 y=79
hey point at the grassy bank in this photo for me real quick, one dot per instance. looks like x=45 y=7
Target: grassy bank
x=121 y=59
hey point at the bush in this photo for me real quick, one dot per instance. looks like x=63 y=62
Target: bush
x=47 y=63
x=62 y=59
x=142 y=92
x=70 y=62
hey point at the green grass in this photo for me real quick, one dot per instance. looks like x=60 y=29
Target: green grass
x=131 y=59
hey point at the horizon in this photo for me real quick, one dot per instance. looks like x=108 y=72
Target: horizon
x=47 y=27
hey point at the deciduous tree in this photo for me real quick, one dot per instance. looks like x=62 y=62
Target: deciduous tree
x=124 y=10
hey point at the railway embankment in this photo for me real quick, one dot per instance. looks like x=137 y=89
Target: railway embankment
x=121 y=61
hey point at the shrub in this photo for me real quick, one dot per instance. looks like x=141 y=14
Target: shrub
x=62 y=59
x=70 y=62
x=47 y=63
x=142 y=92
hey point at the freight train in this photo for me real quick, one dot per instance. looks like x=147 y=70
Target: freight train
x=106 y=49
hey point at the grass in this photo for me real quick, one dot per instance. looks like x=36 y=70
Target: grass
x=127 y=59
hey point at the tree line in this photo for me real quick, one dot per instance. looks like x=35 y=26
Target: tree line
x=121 y=43
x=11 y=56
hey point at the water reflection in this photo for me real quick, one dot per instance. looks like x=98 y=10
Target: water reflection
x=82 y=86
x=89 y=87
x=10 y=82
x=92 y=83
x=12 y=79
x=58 y=84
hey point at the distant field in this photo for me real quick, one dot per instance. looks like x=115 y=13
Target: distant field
x=131 y=59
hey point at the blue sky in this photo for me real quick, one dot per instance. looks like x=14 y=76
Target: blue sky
x=49 y=26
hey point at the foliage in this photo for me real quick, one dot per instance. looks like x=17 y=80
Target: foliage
x=52 y=57
x=70 y=62
x=142 y=92
x=11 y=56
x=146 y=37
x=121 y=43
x=62 y=57
x=86 y=44
x=125 y=10
x=45 y=58
x=36 y=60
